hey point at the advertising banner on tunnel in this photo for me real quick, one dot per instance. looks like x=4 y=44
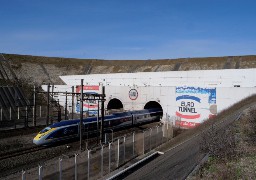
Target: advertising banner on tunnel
x=89 y=106
x=194 y=105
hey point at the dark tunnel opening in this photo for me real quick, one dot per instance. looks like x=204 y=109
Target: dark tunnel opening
x=153 y=104
x=115 y=104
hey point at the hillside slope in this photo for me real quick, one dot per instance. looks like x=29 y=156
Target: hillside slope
x=42 y=70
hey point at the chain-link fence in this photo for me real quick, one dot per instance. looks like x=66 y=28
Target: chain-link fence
x=97 y=162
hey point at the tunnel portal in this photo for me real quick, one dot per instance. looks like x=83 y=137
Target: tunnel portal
x=153 y=104
x=115 y=104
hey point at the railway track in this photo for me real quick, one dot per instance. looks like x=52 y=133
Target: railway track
x=92 y=141
x=15 y=160
x=20 y=152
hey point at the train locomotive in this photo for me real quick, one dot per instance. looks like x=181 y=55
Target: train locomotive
x=69 y=129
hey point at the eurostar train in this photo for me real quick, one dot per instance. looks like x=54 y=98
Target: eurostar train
x=69 y=129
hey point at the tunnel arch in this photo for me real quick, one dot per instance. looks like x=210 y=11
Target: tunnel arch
x=153 y=104
x=115 y=104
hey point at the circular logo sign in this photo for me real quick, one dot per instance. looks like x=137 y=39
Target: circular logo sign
x=133 y=94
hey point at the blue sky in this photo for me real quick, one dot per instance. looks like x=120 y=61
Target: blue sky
x=128 y=29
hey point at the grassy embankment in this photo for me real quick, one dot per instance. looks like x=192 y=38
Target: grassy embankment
x=232 y=150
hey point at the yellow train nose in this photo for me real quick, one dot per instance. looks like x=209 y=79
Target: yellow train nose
x=35 y=141
x=38 y=136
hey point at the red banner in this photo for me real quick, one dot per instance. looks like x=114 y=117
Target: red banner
x=87 y=88
x=185 y=124
x=187 y=116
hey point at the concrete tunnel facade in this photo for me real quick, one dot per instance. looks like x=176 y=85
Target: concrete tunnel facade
x=186 y=98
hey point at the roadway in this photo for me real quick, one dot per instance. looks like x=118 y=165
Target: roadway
x=176 y=163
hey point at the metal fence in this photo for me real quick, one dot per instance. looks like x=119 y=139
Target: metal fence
x=97 y=162
x=19 y=117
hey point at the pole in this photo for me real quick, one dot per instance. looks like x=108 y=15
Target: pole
x=59 y=111
x=52 y=101
x=14 y=122
x=143 y=142
x=112 y=135
x=133 y=141
x=48 y=105
x=10 y=113
x=23 y=175
x=72 y=110
x=167 y=130
x=81 y=112
x=33 y=114
x=26 y=118
x=34 y=110
x=118 y=152
x=18 y=113
x=102 y=113
x=102 y=158
x=157 y=135
x=76 y=166
x=60 y=169
x=109 y=157
x=40 y=172
x=87 y=129
x=150 y=133
x=162 y=134
x=124 y=148
x=88 y=175
x=98 y=115
x=66 y=106
x=40 y=111
x=88 y=112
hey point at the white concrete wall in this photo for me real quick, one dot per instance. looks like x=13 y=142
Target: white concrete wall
x=205 y=78
x=226 y=97
x=167 y=98
x=189 y=96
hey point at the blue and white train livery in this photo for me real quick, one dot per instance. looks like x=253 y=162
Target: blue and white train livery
x=69 y=129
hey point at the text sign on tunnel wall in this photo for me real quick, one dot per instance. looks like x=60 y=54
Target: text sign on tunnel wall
x=194 y=104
